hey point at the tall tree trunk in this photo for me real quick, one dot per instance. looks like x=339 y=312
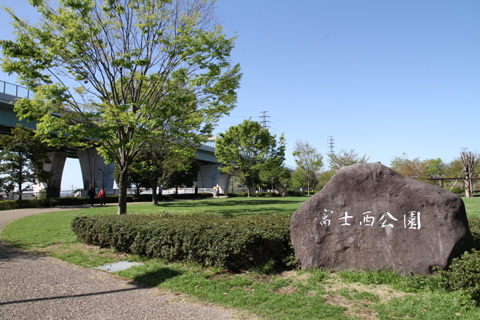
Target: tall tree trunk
x=137 y=191
x=122 y=185
x=470 y=162
x=20 y=192
x=468 y=185
x=154 y=185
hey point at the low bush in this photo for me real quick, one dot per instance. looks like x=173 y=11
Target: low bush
x=239 y=243
x=254 y=195
x=186 y=196
x=16 y=204
x=237 y=194
x=474 y=226
x=463 y=274
x=77 y=201
x=295 y=193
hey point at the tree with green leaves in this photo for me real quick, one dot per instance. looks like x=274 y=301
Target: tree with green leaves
x=115 y=71
x=325 y=177
x=248 y=149
x=274 y=178
x=421 y=170
x=180 y=174
x=436 y=168
x=345 y=158
x=165 y=160
x=410 y=168
x=22 y=157
x=136 y=177
x=309 y=163
x=6 y=186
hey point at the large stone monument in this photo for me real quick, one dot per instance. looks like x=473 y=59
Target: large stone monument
x=370 y=217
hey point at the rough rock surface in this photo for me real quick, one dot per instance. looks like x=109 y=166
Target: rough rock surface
x=370 y=217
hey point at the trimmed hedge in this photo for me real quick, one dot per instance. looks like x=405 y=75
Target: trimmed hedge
x=76 y=201
x=290 y=193
x=16 y=204
x=254 y=195
x=239 y=243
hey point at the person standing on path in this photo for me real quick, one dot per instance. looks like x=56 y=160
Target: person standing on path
x=91 y=195
x=102 y=195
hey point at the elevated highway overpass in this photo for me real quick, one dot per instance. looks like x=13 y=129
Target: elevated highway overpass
x=94 y=169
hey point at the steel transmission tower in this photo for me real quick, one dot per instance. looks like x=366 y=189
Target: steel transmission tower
x=264 y=120
x=331 y=145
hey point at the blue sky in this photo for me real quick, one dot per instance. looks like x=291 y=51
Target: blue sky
x=383 y=77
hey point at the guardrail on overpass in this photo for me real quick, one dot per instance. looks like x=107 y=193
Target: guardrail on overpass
x=14 y=90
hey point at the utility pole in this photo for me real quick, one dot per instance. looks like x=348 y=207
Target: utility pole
x=264 y=120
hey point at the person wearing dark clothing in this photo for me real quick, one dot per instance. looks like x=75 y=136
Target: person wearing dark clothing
x=91 y=195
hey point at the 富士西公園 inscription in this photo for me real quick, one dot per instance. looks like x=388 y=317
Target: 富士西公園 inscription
x=410 y=220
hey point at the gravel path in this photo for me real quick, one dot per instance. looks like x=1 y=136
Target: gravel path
x=33 y=286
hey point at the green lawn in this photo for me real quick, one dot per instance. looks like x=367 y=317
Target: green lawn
x=472 y=206
x=294 y=294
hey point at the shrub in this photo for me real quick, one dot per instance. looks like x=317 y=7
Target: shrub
x=16 y=204
x=463 y=274
x=474 y=226
x=237 y=194
x=295 y=193
x=239 y=243
x=254 y=194
x=185 y=196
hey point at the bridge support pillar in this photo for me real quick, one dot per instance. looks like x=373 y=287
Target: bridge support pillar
x=210 y=176
x=94 y=170
x=56 y=165
x=224 y=182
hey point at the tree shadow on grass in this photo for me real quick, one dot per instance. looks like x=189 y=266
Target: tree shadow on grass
x=234 y=207
x=156 y=277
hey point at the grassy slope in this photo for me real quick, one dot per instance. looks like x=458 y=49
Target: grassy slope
x=296 y=294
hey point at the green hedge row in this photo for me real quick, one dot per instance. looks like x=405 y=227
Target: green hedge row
x=244 y=242
x=76 y=201
x=15 y=204
x=258 y=195
x=54 y=202
x=290 y=193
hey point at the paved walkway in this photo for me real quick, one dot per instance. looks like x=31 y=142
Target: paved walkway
x=34 y=286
